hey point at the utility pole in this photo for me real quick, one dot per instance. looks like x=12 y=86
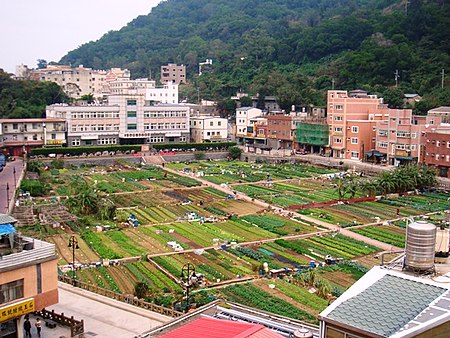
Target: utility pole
x=443 y=77
x=396 y=76
x=332 y=83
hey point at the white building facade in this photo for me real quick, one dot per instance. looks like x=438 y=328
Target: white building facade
x=208 y=129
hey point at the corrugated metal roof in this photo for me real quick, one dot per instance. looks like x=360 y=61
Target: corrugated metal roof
x=387 y=305
x=217 y=328
x=4 y=219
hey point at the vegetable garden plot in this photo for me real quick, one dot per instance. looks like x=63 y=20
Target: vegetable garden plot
x=250 y=295
x=319 y=247
x=389 y=234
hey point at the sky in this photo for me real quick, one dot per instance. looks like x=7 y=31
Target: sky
x=49 y=29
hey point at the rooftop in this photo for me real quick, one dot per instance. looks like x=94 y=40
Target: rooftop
x=223 y=317
x=391 y=303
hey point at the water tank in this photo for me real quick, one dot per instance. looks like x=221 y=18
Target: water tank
x=420 y=245
x=303 y=333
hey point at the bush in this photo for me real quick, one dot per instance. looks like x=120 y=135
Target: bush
x=235 y=152
x=81 y=150
x=35 y=188
x=57 y=164
x=199 y=155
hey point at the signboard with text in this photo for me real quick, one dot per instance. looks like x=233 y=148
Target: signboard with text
x=17 y=309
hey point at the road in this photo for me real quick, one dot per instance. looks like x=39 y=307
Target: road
x=9 y=180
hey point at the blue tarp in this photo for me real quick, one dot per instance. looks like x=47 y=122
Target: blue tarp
x=6 y=229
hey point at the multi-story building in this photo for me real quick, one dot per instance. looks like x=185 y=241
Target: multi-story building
x=400 y=136
x=344 y=110
x=20 y=135
x=312 y=135
x=244 y=123
x=79 y=81
x=28 y=277
x=136 y=112
x=269 y=103
x=173 y=73
x=208 y=129
x=280 y=130
x=438 y=150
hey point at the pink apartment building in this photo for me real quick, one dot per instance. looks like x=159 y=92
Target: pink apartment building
x=350 y=126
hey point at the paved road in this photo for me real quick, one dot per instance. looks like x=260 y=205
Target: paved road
x=103 y=317
x=8 y=183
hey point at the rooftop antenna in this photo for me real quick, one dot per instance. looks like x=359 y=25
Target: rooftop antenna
x=332 y=83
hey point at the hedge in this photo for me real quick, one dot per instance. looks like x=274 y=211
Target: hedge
x=81 y=150
x=197 y=146
x=123 y=148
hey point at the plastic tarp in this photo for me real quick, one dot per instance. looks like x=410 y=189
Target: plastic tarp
x=6 y=229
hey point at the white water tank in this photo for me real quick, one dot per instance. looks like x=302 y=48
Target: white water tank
x=303 y=333
x=420 y=246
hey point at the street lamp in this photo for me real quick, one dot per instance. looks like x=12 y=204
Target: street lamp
x=7 y=197
x=14 y=173
x=189 y=278
x=73 y=243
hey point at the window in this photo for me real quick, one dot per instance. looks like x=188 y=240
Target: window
x=339 y=107
x=338 y=118
x=355 y=155
x=11 y=291
x=131 y=126
x=382 y=132
x=15 y=126
x=338 y=129
x=131 y=114
x=131 y=102
x=219 y=123
x=355 y=129
x=354 y=140
x=53 y=136
x=211 y=123
x=337 y=140
x=35 y=126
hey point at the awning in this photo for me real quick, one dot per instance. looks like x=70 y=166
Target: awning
x=408 y=158
x=375 y=153
x=6 y=229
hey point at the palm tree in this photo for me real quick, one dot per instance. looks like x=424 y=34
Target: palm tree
x=386 y=182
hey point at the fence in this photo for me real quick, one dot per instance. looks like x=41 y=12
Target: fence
x=129 y=299
x=76 y=326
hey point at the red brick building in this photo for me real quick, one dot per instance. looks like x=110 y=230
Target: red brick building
x=438 y=151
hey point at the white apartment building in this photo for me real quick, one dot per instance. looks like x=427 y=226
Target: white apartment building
x=20 y=135
x=208 y=129
x=80 y=81
x=135 y=113
x=244 y=116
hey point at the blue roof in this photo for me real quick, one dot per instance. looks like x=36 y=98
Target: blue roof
x=6 y=229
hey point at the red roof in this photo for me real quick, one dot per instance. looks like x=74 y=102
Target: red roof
x=217 y=328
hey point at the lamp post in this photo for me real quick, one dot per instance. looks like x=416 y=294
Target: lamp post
x=7 y=197
x=14 y=173
x=189 y=278
x=73 y=243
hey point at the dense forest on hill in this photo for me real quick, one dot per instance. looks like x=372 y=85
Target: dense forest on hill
x=293 y=49
x=290 y=48
x=26 y=99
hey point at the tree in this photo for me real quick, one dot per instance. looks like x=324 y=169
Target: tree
x=246 y=101
x=141 y=290
x=41 y=63
x=235 y=152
